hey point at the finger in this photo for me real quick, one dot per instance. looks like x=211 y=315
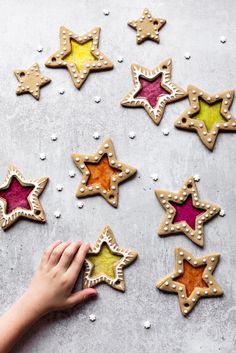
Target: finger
x=48 y=251
x=69 y=253
x=56 y=253
x=78 y=260
x=79 y=297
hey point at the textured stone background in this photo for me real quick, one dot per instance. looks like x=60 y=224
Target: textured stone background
x=26 y=127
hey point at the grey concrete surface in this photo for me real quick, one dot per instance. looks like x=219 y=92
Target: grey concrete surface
x=26 y=127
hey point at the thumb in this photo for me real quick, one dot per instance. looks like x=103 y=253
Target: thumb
x=81 y=296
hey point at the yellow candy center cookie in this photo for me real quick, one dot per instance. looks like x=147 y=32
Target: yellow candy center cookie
x=80 y=54
x=210 y=114
x=104 y=263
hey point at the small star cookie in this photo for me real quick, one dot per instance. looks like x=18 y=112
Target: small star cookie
x=105 y=262
x=79 y=54
x=31 y=81
x=192 y=279
x=207 y=115
x=20 y=198
x=185 y=212
x=153 y=89
x=147 y=27
x=102 y=173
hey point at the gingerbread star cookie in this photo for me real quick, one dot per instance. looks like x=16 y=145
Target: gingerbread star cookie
x=153 y=89
x=185 y=212
x=79 y=54
x=102 y=173
x=192 y=279
x=105 y=262
x=207 y=115
x=147 y=27
x=31 y=81
x=19 y=198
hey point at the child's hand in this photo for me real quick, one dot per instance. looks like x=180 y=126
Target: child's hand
x=51 y=286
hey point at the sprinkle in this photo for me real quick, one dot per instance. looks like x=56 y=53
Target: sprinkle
x=80 y=204
x=165 y=132
x=120 y=59
x=39 y=48
x=92 y=317
x=132 y=135
x=53 y=137
x=187 y=56
x=196 y=177
x=223 y=39
x=97 y=99
x=42 y=156
x=154 y=177
x=222 y=213
x=59 y=187
x=61 y=91
x=96 y=135
x=106 y=12
x=71 y=173
x=147 y=324
x=57 y=214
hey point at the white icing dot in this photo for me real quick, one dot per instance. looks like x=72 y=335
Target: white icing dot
x=96 y=135
x=53 y=137
x=106 y=12
x=132 y=135
x=97 y=99
x=165 y=132
x=154 y=177
x=120 y=59
x=187 y=56
x=71 y=173
x=196 y=177
x=42 y=156
x=80 y=204
x=222 y=213
x=223 y=39
x=57 y=214
x=39 y=48
x=59 y=187
x=147 y=324
x=61 y=90
x=92 y=317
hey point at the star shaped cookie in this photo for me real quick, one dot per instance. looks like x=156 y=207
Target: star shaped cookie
x=185 y=212
x=105 y=262
x=102 y=173
x=153 y=89
x=192 y=279
x=208 y=115
x=19 y=198
x=31 y=81
x=79 y=54
x=147 y=27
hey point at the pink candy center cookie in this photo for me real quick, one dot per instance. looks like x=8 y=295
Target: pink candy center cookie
x=16 y=195
x=151 y=90
x=186 y=212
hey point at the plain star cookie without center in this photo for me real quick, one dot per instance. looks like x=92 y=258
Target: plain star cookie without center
x=207 y=115
x=192 y=279
x=79 y=54
x=102 y=173
x=31 y=81
x=153 y=89
x=185 y=212
x=147 y=27
x=105 y=262
x=19 y=198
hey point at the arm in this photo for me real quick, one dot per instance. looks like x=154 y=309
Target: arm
x=50 y=290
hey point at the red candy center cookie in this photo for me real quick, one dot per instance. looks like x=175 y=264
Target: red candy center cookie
x=16 y=195
x=101 y=173
x=192 y=277
x=186 y=212
x=151 y=90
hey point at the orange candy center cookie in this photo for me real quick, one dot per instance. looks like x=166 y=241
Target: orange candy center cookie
x=101 y=173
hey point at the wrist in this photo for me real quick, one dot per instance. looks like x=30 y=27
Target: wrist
x=32 y=306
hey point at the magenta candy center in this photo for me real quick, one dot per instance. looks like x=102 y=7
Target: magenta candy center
x=186 y=212
x=16 y=195
x=151 y=90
